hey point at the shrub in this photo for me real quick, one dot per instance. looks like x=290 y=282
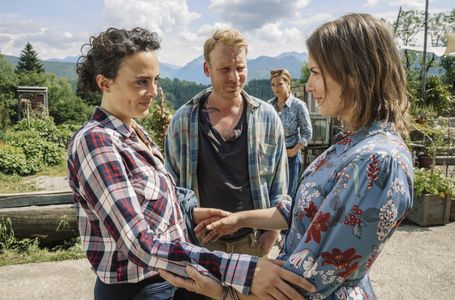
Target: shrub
x=433 y=182
x=14 y=161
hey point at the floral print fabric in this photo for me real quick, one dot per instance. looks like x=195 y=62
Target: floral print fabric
x=349 y=202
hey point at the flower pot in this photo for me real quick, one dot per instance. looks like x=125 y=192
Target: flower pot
x=452 y=210
x=430 y=210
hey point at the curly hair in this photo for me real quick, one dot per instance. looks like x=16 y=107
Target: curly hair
x=359 y=52
x=107 y=51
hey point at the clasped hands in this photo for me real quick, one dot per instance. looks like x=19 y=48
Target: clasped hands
x=270 y=280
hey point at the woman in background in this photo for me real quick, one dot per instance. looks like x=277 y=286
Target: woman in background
x=296 y=121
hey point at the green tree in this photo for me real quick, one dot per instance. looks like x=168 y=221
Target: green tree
x=29 y=61
x=8 y=99
x=89 y=97
x=260 y=88
x=410 y=23
x=305 y=73
x=64 y=105
x=438 y=95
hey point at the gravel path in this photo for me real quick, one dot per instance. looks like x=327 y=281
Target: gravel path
x=417 y=263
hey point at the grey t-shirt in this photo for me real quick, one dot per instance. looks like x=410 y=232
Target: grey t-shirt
x=222 y=172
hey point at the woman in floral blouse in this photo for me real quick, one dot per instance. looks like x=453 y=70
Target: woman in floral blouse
x=353 y=197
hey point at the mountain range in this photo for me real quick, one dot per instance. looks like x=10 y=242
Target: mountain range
x=258 y=68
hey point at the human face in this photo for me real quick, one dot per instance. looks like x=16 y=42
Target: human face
x=328 y=95
x=131 y=93
x=280 y=88
x=227 y=71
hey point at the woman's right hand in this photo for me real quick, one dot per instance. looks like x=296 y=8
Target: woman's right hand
x=218 y=228
x=197 y=282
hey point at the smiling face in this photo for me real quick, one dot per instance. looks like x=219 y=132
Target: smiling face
x=131 y=93
x=280 y=87
x=326 y=91
x=227 y=71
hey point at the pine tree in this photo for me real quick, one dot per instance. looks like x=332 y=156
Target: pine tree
x=29 y=61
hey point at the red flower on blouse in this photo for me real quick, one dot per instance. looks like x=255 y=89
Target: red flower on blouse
x=341 y=260
x=311 y=210
x=320 y=223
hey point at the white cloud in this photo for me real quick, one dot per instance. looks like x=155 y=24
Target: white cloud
x=412 y=4
x=253 y=14
x=170 y=19
x=314 y=19
x=273 y=39
x=370 y=3
x=48 y=41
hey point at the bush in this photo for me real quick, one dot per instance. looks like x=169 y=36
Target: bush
x=14 y=161
x=433 y=182
x=45 y=128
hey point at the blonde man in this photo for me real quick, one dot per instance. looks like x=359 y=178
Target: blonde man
x=229 y=146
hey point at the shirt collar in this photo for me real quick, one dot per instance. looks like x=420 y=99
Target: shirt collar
x=347 y=139
x=251 y=101
x=287 y=103
x=108 y=120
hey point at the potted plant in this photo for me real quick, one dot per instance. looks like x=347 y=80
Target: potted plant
x=433 y=193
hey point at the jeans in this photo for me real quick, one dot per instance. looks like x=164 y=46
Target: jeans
x=244 y=245
x=143 y=290
x=295 y=166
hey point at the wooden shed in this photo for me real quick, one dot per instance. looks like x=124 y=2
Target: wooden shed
x=31 y=98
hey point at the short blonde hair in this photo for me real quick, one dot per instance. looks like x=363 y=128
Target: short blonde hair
x=283 y=74
x=230 y=37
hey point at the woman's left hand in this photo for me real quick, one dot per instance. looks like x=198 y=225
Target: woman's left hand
x=198 y=283
x=294 y=150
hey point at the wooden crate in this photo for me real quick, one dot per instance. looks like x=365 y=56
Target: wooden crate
x=430 y=210
x=452 y=210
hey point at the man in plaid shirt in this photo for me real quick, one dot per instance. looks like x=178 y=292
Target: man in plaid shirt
x=228 y=146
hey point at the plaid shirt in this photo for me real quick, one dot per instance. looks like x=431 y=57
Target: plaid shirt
x=129 y=218
x=267 y=160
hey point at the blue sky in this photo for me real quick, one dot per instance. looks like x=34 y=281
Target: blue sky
x=58 y=28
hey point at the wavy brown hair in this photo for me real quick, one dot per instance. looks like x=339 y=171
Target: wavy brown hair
x=359 y=52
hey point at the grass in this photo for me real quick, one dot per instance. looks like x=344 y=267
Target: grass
x=22 y=184
x=13 y=251
x=32 y=252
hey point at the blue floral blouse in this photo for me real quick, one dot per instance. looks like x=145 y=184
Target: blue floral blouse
x=296 y=121
x=349 y=202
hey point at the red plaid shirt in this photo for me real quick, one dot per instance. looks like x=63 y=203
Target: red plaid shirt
x=129 y=218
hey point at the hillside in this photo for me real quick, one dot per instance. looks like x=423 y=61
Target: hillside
x=258 y=68
x=61 y=69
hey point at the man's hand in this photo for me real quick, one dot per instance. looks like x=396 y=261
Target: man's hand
x=272 y=281
x=267 y=239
